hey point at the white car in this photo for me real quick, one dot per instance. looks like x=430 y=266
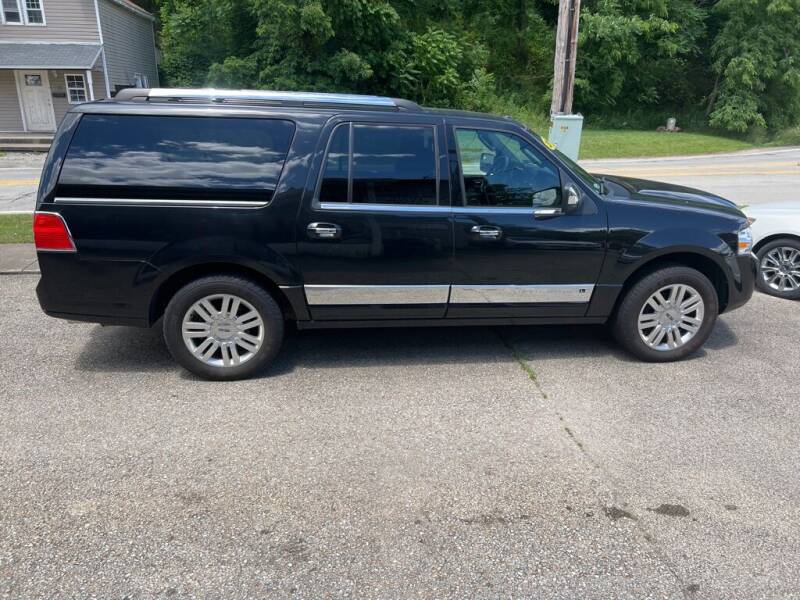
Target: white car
x=776 y=242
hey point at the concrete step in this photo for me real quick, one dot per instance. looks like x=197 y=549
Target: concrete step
x=28 y=139
x=16 y=141
x=16 y=147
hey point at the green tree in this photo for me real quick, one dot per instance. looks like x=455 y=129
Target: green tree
x=632 y=52
x=196 y=34
x=734 y=64
x=757 y=61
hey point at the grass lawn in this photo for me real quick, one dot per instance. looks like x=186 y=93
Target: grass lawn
x=604 y=143
x=16 y=229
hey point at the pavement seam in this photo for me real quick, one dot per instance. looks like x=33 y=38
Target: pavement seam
x=651 y=539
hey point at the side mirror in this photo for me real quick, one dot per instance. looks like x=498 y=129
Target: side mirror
x=572 y=197
x=487 y=162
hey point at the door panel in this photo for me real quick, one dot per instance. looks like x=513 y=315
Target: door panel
x=37 y=103
x=527 y=266
x=378 y=265
x=375 y=239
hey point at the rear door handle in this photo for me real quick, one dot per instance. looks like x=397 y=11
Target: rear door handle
x=324 y=231
x=487 y=232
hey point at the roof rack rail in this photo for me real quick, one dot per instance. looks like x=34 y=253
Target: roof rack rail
x=264 y=98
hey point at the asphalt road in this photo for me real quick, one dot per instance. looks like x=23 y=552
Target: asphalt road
x=19 y=178
x=746 y=178
x=440 y=463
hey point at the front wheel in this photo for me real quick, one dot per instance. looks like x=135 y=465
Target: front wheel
x=667 y=315
x=779 y=269
x=223 y=327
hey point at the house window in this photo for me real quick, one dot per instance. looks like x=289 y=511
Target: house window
x=76 y=88
x=22 y=12
x=140 y=81
x=11 y=12
x=34 y=14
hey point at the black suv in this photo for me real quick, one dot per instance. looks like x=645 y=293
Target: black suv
x=228 y=214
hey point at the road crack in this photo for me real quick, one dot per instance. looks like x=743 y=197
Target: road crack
x=687 y=589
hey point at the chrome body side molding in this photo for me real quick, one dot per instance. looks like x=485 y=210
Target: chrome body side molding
x=327 y=295
x=155 y=202
x=517 y=294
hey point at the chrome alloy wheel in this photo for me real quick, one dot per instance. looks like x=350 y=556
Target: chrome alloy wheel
x=671 y=317
x=780 y=269
x=222 y=330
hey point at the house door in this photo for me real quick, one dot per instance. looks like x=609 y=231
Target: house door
x=37 y=103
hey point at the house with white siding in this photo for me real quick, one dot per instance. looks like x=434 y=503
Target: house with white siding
x=54 y=53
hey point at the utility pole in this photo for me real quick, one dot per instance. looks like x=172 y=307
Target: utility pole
x=566 y=128
x=566 y=51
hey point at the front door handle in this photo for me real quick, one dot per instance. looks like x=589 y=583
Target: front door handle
x=324 y=231
x=547 y=213
x=487 y=232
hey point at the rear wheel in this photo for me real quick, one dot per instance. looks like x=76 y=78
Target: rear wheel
x=667 y=315
x=779 y=269
x=223 y=327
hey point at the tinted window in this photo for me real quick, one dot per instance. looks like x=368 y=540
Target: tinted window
x=388 y=165
x=334 y=180
x=503 y=170
x=157 y=157
x=394 y=165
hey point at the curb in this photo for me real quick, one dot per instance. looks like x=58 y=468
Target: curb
x=29 y=269
x=18 y=259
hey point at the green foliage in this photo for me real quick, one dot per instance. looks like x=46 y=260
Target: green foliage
x=631 y=50
x=734 y=65
x=757 y=60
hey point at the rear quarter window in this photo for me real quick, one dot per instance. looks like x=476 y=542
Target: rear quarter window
x=167 y=158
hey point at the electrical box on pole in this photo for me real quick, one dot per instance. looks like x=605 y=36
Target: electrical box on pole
x=566 y=128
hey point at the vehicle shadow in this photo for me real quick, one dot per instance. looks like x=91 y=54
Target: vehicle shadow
x=555 y=342
x=123 y=349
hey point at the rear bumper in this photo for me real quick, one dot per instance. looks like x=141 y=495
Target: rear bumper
x=742 y=284
x=99 y=291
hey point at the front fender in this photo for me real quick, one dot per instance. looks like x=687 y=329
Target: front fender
x=676 y=240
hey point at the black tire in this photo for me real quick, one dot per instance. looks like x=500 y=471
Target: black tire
x=263 y=303
x=626 y=321
x=761 y=283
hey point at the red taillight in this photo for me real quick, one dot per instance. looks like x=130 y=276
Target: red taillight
x=50 y=232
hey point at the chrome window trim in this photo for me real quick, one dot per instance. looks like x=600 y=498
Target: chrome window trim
x=416 y=208
x=521 y=294
x=163 y=202
x=488 y=210
x=329 y=295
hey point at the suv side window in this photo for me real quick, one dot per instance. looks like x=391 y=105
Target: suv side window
x=334 y=186
x=503 y=170
x=166 y=157
x=381 y=164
